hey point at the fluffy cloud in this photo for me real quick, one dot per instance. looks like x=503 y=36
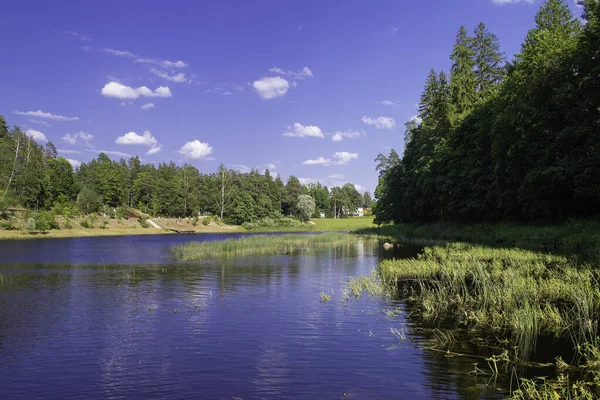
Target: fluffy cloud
x=41 y=114
x=73 y=138
x=146 y=139
x=389 y=103
x=36 y=135
x=147 y=106
x=415 y=118
x=120 y=91
x=380 y=122
x=303 y=73
x=179 y=78
x=271 y=87
x=195 y=150
x=339 y=158
x=338 y=136
x=74 y=163
x=299 y=130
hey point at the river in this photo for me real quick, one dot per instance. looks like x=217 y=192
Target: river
x=119 y=318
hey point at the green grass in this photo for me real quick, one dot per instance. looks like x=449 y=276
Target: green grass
x=325 y=225
x=509 y=292
x=581 y=238
x=261 y=245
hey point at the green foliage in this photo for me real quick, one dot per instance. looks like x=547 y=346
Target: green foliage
x=142 y=221
x=305 y=207
x=88 y=201
x=85 y=224
x=122 y=212
x=505 y=143
x=206 y=220
x=195 y=220
x=31 y=224
x=7 y=225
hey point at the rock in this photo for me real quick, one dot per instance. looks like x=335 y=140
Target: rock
x=310 y=222
x=388 y=246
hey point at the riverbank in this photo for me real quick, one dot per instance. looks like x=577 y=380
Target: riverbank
x=579 y=237
x=132 y=227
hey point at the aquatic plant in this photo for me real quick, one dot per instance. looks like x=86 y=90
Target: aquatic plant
x=260 y=245
x=325 y=297
x=366 y=283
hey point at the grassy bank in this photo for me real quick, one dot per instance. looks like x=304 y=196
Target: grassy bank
x=512 y=296
x=260 y=245
x=323 y=225
x=580 y=238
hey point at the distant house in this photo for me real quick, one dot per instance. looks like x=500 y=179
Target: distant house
x=322 y=215
x=360 y=211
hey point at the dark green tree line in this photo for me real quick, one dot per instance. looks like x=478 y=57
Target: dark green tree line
x=514 y=140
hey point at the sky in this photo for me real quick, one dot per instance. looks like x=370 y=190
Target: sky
x=315 y=89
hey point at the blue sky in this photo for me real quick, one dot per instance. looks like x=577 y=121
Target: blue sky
x=314 y=89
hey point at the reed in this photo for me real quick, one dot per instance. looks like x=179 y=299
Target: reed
x=261 y=245
x=516 y=293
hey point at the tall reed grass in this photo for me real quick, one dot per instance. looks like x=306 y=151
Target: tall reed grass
x=261 y=245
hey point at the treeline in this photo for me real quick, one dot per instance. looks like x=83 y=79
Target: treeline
x=505 y=141
x=34 y=177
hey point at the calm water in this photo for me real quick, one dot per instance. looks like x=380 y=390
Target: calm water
x=118 y=318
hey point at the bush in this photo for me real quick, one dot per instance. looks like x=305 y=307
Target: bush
x=288 y=222
x=104 y=224
x=248 y=225
x=85 y=224
x=7 y=225
x=195 y=220
x=122 y=212
x=206 y=221
x=142 y=221
x=45 y=221
x=68 y=224
x=30 y=225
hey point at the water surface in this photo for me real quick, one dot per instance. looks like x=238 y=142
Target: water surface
x=117 y=317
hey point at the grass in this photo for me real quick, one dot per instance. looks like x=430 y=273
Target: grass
x=512 y=292
x=581 y=238
x=5 y=278
x=260 y=245
x=324 y=225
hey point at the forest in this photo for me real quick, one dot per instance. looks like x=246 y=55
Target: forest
x=35 y=177
x=499 y=140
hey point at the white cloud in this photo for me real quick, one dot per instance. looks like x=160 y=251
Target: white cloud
x=339 y=158
x=360 y=188
x=73 y=138
x=68 y=151
x=301 y=74
x=299 y=130
x=338 y=136
x=415 y=118
x=120 y=91
x=344 y=158
x=132 y=138
x=147 y=106
x=176 y=64
x=179 y=78
x=41 y=114
x=36 y=135
x=389 y=103
x=318 y=161
x=37 y=121
x=119 y=53
x=242 y=169
x=512 y=1
x=271 y=87
x=393 y=31
x=306 y=181
x=153 y=150
x=74 y=163
x=195 y=150
x=380 y=122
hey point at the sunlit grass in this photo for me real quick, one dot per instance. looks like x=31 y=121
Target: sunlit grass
x=261 y=245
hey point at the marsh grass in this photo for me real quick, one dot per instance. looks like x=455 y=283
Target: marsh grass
x=370 y=284
x=261 y=245
x=6 y=278
x=506 y=292
x=578 y=237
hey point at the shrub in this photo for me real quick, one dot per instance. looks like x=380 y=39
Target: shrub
x=30 y=225
x=122 y=212
x=104 y=224
x=84 y=224
x=206 y=220
x=287 y=221
x=7 y=225
x=68 y=224
x=142 y=221
x=195 y=220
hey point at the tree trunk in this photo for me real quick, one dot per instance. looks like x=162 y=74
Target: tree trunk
x=12 y=175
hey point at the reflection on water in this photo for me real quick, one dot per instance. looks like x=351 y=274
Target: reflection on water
x=252 y=328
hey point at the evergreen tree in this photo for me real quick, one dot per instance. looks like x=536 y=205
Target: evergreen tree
x=489 y=60
x=463 y=84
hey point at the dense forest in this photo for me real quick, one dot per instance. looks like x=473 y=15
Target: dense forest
x=35 y=177
x=498 y=140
